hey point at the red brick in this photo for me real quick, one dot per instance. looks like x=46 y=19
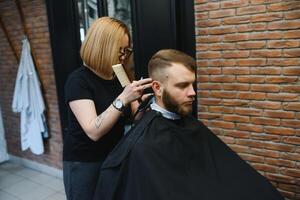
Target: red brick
x=202 y=15
x=265 y=137
x=237 y=134
x=251 y=45
x=290 y=123
x=200 y=1
x=292 y=140
x=237 y=20
x=204 y=93
x=210 y=39
x=291 y=53
x=291 y=172
x=227 y=140
x=239 y=148
x=248 y=111
x=279 y=177
x=250 y=143
x=251 y=79
x=289 y=187
x=208 y=116
x=251 y=10
x=227 y=102
x=292 y=14
x=209 y=55
x=207 y=6
x=285 y=62
x=221 y=31
x=266 y=53
x=291 y=156
x=203 y=78
x=265 y=88
x=283 y=6
x=249 y=127
x=265 y=121
x=223 y=63
x=284 y=25
x=266 y=17
x=292 y=106
x=266 y=70
x=279 y=114
x=236 y=54
x=234 y=4
x=235 y=37
x=207 y=101
x=280 y=79
x=236 y=118
x=265 y=168
x=265 y=152
x=209 y=86
x=202 y=108
x=281 y=163
x=214 y=70
x=252 y=27
x=222 y=78
x=208 y=23
x=236 y=86
x=223 y=94
x=292 y=34
x=279 y=131
x=252 y=158
x=292 y=71
x=202 y=31
x=222 y=46
x=265 y=35
x=221 y=124
x=283 y=97
x=202 y=47
x=283 y=44
x=220 y=109
x=222 y=13
x=251 y=62
x=291 y=88
x=263 y=1
x=207 y=71
x=235 y=70
x=266 y=105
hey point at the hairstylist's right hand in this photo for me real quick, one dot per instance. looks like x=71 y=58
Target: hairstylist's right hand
x=134 y=90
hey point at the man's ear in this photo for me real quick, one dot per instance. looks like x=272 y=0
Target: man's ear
x=157 y=88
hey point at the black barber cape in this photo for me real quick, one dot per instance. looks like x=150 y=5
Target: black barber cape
x=162 y=159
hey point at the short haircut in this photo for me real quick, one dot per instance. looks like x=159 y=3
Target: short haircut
x=101 y=46
x=164 y=59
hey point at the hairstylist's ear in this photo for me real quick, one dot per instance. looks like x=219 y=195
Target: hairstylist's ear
x=157 y=88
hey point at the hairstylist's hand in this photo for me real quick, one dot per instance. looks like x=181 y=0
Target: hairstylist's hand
x=134 y=90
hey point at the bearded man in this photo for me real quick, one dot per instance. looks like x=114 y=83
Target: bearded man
x=170 y=155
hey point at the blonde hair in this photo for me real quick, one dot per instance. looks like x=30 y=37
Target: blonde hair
x=101 y=46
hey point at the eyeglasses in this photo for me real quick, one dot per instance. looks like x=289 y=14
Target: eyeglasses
x=126 y=52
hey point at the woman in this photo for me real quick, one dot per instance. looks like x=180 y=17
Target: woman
x=97 y=105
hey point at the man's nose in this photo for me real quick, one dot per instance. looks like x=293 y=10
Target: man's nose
x=191 y=91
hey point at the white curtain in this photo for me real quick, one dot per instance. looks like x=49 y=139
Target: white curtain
x=3 y=151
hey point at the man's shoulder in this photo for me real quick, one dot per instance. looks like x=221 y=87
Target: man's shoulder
x=122 y=149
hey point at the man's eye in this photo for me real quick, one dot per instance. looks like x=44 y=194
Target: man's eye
x=182 y=85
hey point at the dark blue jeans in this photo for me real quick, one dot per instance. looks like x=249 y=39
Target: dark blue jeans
x=80 y=179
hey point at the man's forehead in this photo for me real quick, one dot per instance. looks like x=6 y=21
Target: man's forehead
x=180 y=72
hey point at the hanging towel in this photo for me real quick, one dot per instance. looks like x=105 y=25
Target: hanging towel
x=29 y=102
x=3 y=151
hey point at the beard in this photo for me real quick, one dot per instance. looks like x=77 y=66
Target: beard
x=175 y=107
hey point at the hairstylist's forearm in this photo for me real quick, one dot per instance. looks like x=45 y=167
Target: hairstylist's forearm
x=94 y=126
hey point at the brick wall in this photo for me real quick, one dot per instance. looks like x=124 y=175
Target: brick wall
x=36 y=21
x=248 y=82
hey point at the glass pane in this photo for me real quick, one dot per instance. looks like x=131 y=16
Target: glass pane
x=120 y=9
x=87 y=12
